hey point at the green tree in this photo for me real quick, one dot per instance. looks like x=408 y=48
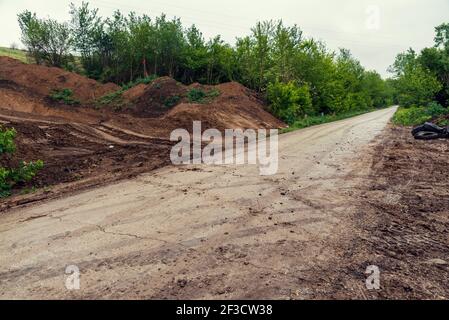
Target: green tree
x=288 y=101
x=415 y=83
x=47 y=40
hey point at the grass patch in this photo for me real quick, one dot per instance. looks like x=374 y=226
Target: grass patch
x=114 y=99
x=316 y=120
x=418 y=115
x=64 y=96
x=197 y=95
x=15 y=54
x=172 y=101
x=146 y=80
x=111 y=98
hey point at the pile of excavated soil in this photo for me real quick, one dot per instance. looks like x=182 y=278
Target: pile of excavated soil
x=235 y=107
x=16 y=99
x=156 y=98
x=42 y=80
x=91 y=145
x=25 y=88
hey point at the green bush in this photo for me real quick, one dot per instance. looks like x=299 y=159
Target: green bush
x=65 y=96
x=200 y=96
x=12 y=176
x=111 y=98
x=288 y=101
x=146 y=80
x=434 y=109
x=115 y=98
x=7 y=140
x=172 y=101
x=24 y=173
x=417 y=115
x=196 y=95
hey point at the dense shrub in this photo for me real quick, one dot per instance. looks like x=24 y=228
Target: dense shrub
x=7 y=140
x=288 y=101
x=9 y=177
x=64 y=96
x=417 y=115
x=145 y=80
x=197 y=95
x=172 y=101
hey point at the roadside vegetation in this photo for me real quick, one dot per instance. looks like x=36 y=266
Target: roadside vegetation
x=10 y=177
x=322 y=119
x=197 y=95
x=302 y=80
x=299 y=76
x=421 y=82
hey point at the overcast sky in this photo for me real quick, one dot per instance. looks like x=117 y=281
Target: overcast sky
x=374 y=30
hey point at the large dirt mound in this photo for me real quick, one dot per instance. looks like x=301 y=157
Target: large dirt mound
x=156 y=98
x=43 y=80
x=235 y=107
x=91 y=143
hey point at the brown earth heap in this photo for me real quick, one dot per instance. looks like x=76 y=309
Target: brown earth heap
x=42 y=80
x=93 y=143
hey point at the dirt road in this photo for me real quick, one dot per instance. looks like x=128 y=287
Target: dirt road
x=201 y=231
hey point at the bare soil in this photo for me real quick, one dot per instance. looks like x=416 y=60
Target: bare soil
x=404 y=215
x=217 y=232
x=91 y=144
x=43 y=80
x=400 y=224
x=337 y=206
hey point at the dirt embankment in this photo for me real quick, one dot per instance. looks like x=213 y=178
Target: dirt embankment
x=43 y=80
x=235 y=106
x=91 y=142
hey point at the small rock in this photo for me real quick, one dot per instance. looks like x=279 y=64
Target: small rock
x=439 y=262
x=182 y=283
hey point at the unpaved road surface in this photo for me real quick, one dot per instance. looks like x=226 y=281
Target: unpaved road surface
x=221 y=232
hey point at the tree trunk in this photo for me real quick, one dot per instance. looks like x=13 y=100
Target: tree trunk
x=144 y=62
